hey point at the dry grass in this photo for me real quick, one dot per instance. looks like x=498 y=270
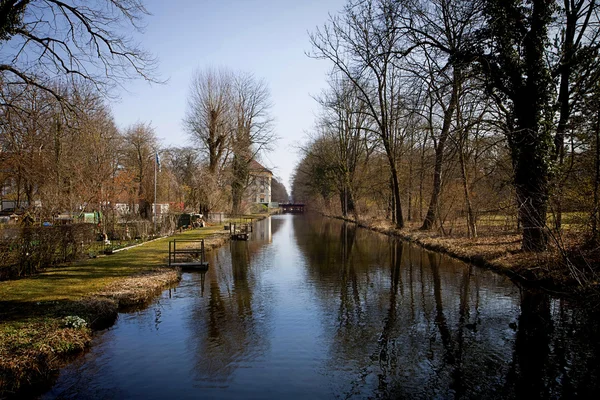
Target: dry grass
x=140 y=288
x=32 y=348
x=498 y=246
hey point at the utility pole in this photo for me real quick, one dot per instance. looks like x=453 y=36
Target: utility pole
x=156 y=161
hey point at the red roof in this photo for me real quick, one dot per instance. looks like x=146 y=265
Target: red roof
x=256 y=166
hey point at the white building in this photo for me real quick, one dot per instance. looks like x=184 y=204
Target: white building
x=259 y=188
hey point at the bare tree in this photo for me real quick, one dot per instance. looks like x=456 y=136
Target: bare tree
x=208 y=112
x=362 y=44
x=576 y=66
x=42 y=39
x=139 y=158
x=229 y=118
x=252 y=130
x=344 y=122
x=24 y=138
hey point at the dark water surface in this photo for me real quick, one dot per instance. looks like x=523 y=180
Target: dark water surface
x=312 y=308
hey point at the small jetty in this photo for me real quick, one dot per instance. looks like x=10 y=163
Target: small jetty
x=187 y=254
x=240 y=231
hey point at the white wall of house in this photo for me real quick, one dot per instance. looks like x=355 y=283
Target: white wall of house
x=260 y=188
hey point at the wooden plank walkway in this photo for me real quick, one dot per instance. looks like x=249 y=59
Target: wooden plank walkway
x=187 y=249
x=202 y=265
x=240 y=232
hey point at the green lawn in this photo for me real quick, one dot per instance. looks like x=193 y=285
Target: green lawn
x=83 y=278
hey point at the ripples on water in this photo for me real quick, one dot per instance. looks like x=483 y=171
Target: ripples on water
x=315 y=308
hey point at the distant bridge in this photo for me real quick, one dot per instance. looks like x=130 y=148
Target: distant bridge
x=292 y=207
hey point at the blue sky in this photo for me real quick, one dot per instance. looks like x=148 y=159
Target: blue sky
x=266 y=37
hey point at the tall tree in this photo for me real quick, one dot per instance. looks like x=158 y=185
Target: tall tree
x=513 y=57
x=362 y=45
x=139 y=157
x=343 y=122
x=435 y=31
x=208 y=113
x=251 y=130
x=229 y=118
x=576 y=67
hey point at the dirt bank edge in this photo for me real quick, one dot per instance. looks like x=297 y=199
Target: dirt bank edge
x=501 y=253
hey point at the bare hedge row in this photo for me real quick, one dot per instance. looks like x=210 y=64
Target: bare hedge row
x=26 y=250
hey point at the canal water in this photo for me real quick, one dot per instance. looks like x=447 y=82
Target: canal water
x=313 y=308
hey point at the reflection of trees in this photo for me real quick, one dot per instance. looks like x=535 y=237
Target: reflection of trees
x=350 y=309
x=276 y=223
x=240 y=259
x=410 y=323
x=387 y=345
x=528 y=371
x=226 y=331
x=440 y=318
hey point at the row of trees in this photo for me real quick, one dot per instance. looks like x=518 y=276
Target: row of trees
x=228 y=117
x=59 y=61
x=56 y=159
x=491 y=101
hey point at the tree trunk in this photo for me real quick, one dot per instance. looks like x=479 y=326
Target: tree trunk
x=343 y=204
x=410 y=176
x=566 y=70
x=422 y=177
x=347 y=202
x=596 y=205
x=462 y=140
x=529 y=150
x=471 y=222
x=532 y=195
x=238 y=186
x=391 y=203
x=399 y=220
x=439 y=156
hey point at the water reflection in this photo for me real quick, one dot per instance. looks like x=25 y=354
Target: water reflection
x=229 y=327
x=435 y=327
x=317 y=308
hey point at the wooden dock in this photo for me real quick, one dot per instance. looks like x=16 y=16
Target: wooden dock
x=191 y=254
x=240 y=236
x=241 y=231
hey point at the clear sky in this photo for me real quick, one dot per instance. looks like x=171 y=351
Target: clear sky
x=266 y=37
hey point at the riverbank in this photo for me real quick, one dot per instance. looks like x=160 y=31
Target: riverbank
x=559 y=270
x=48 y=318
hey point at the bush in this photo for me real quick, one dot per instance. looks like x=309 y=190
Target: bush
x=27 y=250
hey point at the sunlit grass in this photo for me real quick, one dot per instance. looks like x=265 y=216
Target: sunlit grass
x=89 y=276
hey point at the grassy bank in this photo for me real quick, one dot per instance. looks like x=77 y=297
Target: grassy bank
x=48 y=317
x=564 y=269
